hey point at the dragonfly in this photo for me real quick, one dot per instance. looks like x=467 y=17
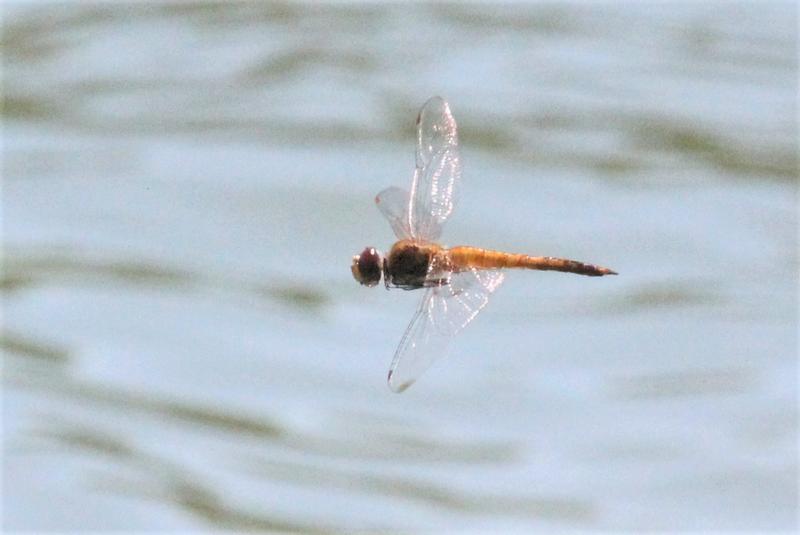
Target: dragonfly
x=457 y=282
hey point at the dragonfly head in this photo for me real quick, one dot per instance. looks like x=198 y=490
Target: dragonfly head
x=366 y=267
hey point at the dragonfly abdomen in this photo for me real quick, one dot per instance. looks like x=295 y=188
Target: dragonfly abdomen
x=464 y=257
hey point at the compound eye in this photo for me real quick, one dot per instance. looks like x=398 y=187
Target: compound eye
x=367 y=267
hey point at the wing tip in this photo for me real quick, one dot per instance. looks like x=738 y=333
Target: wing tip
x=436 y=101
x=397 y=389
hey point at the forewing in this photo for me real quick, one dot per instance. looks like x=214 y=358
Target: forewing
x=420 y=346
x=436 y=130
x=443 y=312
x=438 y=173
x=393 y=204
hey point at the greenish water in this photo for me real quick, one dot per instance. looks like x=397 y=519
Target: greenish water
x=184 y=347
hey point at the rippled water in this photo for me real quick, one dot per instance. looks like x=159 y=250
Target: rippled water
x=184 y=346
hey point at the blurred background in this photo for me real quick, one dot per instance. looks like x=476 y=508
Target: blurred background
x=184 y=346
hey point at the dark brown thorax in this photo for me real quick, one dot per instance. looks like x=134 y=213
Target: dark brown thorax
x=406 y=265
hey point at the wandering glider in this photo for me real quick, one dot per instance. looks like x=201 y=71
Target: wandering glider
x=457 y=281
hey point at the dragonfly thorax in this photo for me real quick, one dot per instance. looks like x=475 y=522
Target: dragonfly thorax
x=408 y=264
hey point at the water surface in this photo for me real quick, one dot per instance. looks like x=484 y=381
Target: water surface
x=184 y=347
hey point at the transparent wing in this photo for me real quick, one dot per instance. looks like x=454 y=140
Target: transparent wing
x=438 y=172
x=443 y=312
x=393 y=204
